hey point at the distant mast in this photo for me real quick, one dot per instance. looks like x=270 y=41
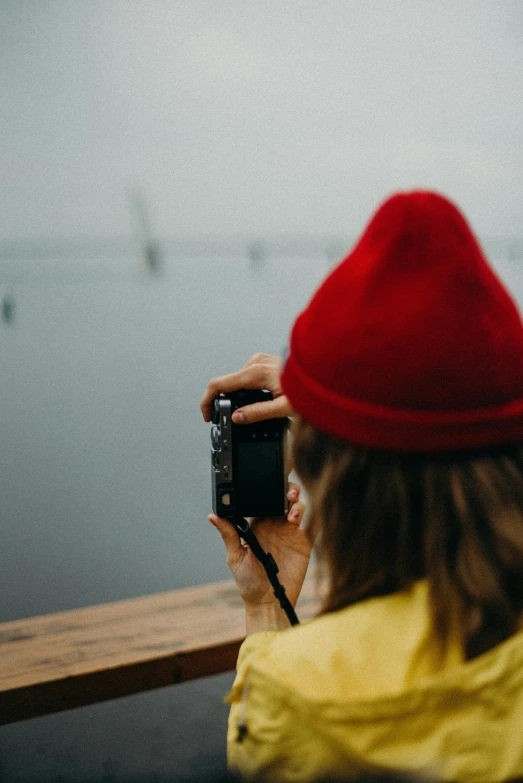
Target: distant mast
x=8 y=308
x=141 y=217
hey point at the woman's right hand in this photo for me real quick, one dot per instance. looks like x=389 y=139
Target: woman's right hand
x=290 y=546
x=262 y=371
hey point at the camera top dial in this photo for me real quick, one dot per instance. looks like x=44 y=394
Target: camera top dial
x=216 y=438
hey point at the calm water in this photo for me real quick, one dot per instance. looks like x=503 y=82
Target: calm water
x=104 y=478
x=104 y=470
x=104 y=473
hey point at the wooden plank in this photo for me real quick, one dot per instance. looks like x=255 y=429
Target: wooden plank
x=59 y=661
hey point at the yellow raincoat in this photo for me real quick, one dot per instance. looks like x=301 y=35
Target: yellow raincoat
x=364 y=689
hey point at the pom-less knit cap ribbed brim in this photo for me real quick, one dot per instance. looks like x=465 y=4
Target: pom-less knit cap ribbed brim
x=412 y=343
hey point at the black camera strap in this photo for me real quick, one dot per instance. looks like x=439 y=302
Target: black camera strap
x=268 y=562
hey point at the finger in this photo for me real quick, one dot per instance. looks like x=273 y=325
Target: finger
x=293 y=492
x=264 y=358
x=296 y=512
x=279 y=408
x=254 y=377
x=229 y=536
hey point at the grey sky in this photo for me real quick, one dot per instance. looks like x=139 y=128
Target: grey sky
x=261 y=117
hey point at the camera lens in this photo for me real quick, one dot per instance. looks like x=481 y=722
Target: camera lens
x=216 y=412
x=216 y=438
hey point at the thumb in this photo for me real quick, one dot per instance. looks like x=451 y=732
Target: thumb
x=229 y=536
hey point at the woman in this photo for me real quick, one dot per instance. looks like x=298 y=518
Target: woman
x=405 y=373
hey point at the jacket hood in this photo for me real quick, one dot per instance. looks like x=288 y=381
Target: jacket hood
x=365 y=688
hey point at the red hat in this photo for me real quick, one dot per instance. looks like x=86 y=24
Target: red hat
x=412 y=343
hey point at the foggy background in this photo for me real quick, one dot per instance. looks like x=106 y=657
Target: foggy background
x=256 y=117
x=175 y=180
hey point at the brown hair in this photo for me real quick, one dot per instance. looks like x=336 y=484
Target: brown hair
x=387 y=519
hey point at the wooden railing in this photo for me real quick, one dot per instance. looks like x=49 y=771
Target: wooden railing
x=59 y=661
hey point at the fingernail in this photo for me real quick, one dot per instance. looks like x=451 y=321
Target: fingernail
x=238 y=417
x=294 y=515
x=293 y=494
x=211 y=520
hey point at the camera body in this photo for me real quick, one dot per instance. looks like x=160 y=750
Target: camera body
x=249 y=461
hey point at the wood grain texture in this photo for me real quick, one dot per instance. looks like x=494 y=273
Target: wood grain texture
x=59 y=661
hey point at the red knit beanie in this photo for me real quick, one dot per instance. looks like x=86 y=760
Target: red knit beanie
x=412 y=343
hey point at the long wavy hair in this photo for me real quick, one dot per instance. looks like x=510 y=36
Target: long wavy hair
x=383 y=520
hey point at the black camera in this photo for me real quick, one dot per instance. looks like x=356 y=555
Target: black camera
x=249 y=461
